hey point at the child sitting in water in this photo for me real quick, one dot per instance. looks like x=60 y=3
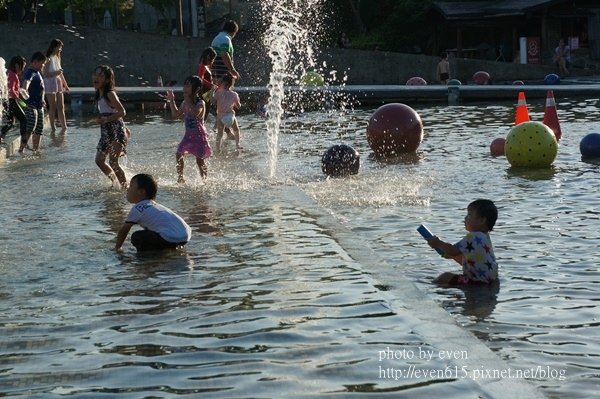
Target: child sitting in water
x=475 y=251
x=163 y=228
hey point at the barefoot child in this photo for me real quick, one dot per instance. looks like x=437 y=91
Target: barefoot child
x=33 y=83
x=113 y=133
x=15 y=110
x=227 y=102
x=195 y=140
x=475 y=251
x=163 y=228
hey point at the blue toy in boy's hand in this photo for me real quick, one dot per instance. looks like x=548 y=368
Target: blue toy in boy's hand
x=426 y=233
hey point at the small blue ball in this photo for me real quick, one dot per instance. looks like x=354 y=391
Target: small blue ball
x=552 y=79
x=590 y=146
x=340 y=160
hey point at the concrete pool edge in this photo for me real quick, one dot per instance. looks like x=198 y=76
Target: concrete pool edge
x=436 y=326
x=361 y=95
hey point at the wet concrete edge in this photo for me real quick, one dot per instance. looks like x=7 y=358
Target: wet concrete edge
x=436 y=326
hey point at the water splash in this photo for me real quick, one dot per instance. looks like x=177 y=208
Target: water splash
x=293 y=29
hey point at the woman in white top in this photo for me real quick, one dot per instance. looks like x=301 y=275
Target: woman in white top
x=55 y=84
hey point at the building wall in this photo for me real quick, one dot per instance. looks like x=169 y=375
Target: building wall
x=594 y=34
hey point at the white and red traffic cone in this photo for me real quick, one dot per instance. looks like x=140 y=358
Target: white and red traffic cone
x=551 y=116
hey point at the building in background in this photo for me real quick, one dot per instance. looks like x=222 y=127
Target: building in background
x=496 y=29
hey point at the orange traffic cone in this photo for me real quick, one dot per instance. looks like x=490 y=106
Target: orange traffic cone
x=522 y=113
x=550 y=115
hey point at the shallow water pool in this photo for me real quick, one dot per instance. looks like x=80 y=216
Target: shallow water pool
x=264 y=301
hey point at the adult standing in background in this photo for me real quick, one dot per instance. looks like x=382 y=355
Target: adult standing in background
x=562 y=57
x=224 y=48
x=55 y=84
x=443 y=68
x=344 y=41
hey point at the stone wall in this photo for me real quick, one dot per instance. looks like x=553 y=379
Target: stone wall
x=372 y=67
x=136 y=57
x=139 y=58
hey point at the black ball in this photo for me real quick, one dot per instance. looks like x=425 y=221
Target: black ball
x=340 y=160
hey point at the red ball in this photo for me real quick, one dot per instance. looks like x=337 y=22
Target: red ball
x=416 y=81
x=497 y=147
x=481 y=78
x=394 y=129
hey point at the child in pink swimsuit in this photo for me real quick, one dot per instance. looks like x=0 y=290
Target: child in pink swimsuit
x=195 y=140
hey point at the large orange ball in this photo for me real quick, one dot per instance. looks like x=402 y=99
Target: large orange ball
x=394 y=129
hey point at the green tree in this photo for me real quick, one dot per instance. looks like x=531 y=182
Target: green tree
x=92 y=10
x=29 y=7
x=355 y=8
x=395 y=25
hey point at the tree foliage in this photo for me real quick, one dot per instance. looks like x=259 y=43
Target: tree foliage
x=92 y=10
x=163 y=7
x=394 y=25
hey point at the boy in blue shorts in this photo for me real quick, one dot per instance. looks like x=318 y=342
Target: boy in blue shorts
x=475 y=251
x=33 y=82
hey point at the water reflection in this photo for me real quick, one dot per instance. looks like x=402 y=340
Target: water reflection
x=401 y=159
x=476 y=302
x=58 y=139
x=112 y=211
x=591 y=160
x=532 y=174
x=264 y=295
x=203 y=219
x=159 y=262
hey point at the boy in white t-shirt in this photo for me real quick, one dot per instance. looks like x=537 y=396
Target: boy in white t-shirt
x=163 y=228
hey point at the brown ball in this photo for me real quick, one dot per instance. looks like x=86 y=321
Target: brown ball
x=394 y=129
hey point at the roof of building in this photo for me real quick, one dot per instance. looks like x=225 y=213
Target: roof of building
x=490 y=8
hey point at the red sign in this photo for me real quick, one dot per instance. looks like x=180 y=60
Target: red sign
x=533 y=50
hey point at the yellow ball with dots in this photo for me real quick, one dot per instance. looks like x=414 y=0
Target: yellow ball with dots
x=531 y=145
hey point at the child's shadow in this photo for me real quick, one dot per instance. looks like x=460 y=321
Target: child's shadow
x=152 y=263
x=479 y=300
